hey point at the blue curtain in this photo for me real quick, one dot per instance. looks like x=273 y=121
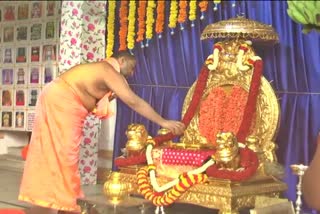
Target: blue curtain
x=169 y=66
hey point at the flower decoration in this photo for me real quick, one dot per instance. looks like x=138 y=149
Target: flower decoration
x=150 y=20
x=203 y=8
x=193 y=11
x=131 y=24
x=110 y=28
x=160 y=17
x=173 y=15
x=123 y=15
x=141 y=21
x=182 y=13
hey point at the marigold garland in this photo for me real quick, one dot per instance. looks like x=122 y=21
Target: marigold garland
x=150 y=19
x=160 y=17
x=203 y=7
x=131 y=24
x=182 y=12
x=123 y=16
x=173 y=14
x=193 y=11
x=110 y=28
x=141 y=20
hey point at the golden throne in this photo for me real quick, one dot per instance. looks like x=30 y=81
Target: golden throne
x=236 y=116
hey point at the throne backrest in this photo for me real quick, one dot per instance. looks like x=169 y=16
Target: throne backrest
x=229 y=86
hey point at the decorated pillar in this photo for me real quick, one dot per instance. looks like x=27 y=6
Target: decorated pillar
x=82 y=40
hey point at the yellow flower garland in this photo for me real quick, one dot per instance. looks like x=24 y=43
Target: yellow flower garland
x=192 y=11
x=150 y=20
x=110 y=28
x=173 y=15
x=131 y=24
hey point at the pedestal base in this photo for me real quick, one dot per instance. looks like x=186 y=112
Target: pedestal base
x=224 y=195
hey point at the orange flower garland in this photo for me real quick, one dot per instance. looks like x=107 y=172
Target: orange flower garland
x=182 y=13
x=193 y=11
x=150 y=20
x=173 y=15
x=203 y=7
x=110 y=28
x=131 y=24
x=141 y=21
x=123 y=15
x=160 y=17
x=161 y=199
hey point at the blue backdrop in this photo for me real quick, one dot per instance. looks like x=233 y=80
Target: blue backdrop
x=169 y=66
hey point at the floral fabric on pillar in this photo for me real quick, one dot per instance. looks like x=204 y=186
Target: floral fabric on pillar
x=82 y=40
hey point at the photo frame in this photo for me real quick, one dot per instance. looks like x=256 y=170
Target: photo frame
x=34 y=75
x=33 y=94
x=8 y=33
x=49 y=53
x=6 y=98
x=50 y=30
x=21 y=74
x=30 y=120
x=49 y=73
x=22 y=33
x=8 y=54
x=36 y=32
x=21 y=54
x=7 y=76
x=35 y=51
x=36 y=9
x=20 y=98
x=9 y=13
x=23 y=11
x=50 y=8
x=6 y=119
x=19 y=119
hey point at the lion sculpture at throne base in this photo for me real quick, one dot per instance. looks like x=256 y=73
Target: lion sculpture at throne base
x=226 y=156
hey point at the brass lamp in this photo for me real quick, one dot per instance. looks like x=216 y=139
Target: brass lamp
x=116 y=190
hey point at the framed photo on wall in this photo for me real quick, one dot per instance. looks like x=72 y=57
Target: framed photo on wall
x=9 y=13
x=8 y=33
x=6 y=97
x=50 y=31
x=35 y=31
x=8 y=55
x=7 y=76
x=50 y=8
x=34 y=75
x=21 y=55
x=36 y=9
x=35 y=54
x=20 y=98
x=23 y=11
x=22 y=33
x=49 y=53
x=49 y=73
x=30 y=120
x=33 y=94
x=21 y=76
x=19 y=119
x=6 y=119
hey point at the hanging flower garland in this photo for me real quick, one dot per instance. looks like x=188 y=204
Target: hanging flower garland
x=160 y=17
x=131 y=24
x=150 y=20
x=216 y=3
x=110 y=28
x=123 y=16
x=193 y=11
x=141 y=22
x=173 y=15
x=203 y=8
x=182 y=13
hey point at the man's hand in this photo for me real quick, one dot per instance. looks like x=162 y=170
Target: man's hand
x=176 y=127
